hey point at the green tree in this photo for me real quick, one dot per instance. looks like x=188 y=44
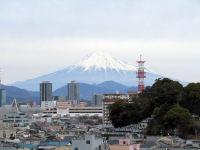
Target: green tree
x=122 y=113
x=163 y=100
x=119 y=113
x=166 y=91
x=176 y=116
x=191 y=98
x=180 y=119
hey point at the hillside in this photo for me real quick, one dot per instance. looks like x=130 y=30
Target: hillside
x=86 y=91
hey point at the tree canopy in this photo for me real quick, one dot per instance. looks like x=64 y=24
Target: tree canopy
x=191 y=98
x=168 y=101
x=165 y=91
x=123 y=113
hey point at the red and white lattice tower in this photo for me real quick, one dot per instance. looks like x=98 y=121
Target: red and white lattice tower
x=140 y=75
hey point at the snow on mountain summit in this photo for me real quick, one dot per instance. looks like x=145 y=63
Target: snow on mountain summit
x=93 y=69
x=102 y=60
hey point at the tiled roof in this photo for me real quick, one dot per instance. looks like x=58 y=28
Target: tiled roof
x=118 y=147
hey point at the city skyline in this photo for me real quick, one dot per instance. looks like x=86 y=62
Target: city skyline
x=40 y=37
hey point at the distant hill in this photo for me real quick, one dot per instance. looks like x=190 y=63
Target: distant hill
x=86 y=91
x=20 y=94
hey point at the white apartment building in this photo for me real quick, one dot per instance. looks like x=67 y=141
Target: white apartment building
x=110 y=99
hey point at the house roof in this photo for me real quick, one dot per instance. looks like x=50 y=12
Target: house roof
x=118 y=147
x=54 y=143
x=63 y=148
x=31 y=146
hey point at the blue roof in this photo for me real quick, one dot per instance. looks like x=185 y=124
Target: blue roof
x=19 y=144
x=15 y=119
x=30 y=146
x=54 y=143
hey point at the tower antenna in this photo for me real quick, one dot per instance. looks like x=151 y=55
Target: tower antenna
x=140 y=74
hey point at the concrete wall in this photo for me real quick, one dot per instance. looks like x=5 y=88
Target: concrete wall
x=83 y=145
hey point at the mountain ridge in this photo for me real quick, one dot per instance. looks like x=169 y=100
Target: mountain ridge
x=93 y=69
x=86 y=91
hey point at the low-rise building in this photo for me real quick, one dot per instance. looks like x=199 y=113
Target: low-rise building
x=125 y=144
x=48 y=105
x=85 y=111
x=50 y=111
x=196 y=144
x=19 y=120
x=90 y=142
x=132 y=94
x=52 y=127
x=66 y=108
x=54 y=144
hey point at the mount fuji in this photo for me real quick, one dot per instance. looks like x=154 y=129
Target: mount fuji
x=92 y=69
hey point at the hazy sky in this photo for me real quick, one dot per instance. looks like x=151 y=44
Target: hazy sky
x=43 y=36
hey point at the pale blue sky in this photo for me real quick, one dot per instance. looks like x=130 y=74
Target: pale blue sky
x=42 y=36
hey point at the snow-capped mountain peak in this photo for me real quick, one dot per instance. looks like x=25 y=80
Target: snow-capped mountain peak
x=93 y=69
x=102 y=60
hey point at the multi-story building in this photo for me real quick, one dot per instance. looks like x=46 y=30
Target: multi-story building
x=46 y=99
x=110 y=99
x=73 y=92
x=2 y=97
x=19 y=120
x=97 y=99
x=85 y=111
x=63 y=107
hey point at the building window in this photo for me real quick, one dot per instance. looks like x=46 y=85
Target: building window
x=88 y=142
x=99 y=148
x=76 y=148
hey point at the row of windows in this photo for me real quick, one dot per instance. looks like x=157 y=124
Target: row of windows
x=87 y=112
x=108 y=103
